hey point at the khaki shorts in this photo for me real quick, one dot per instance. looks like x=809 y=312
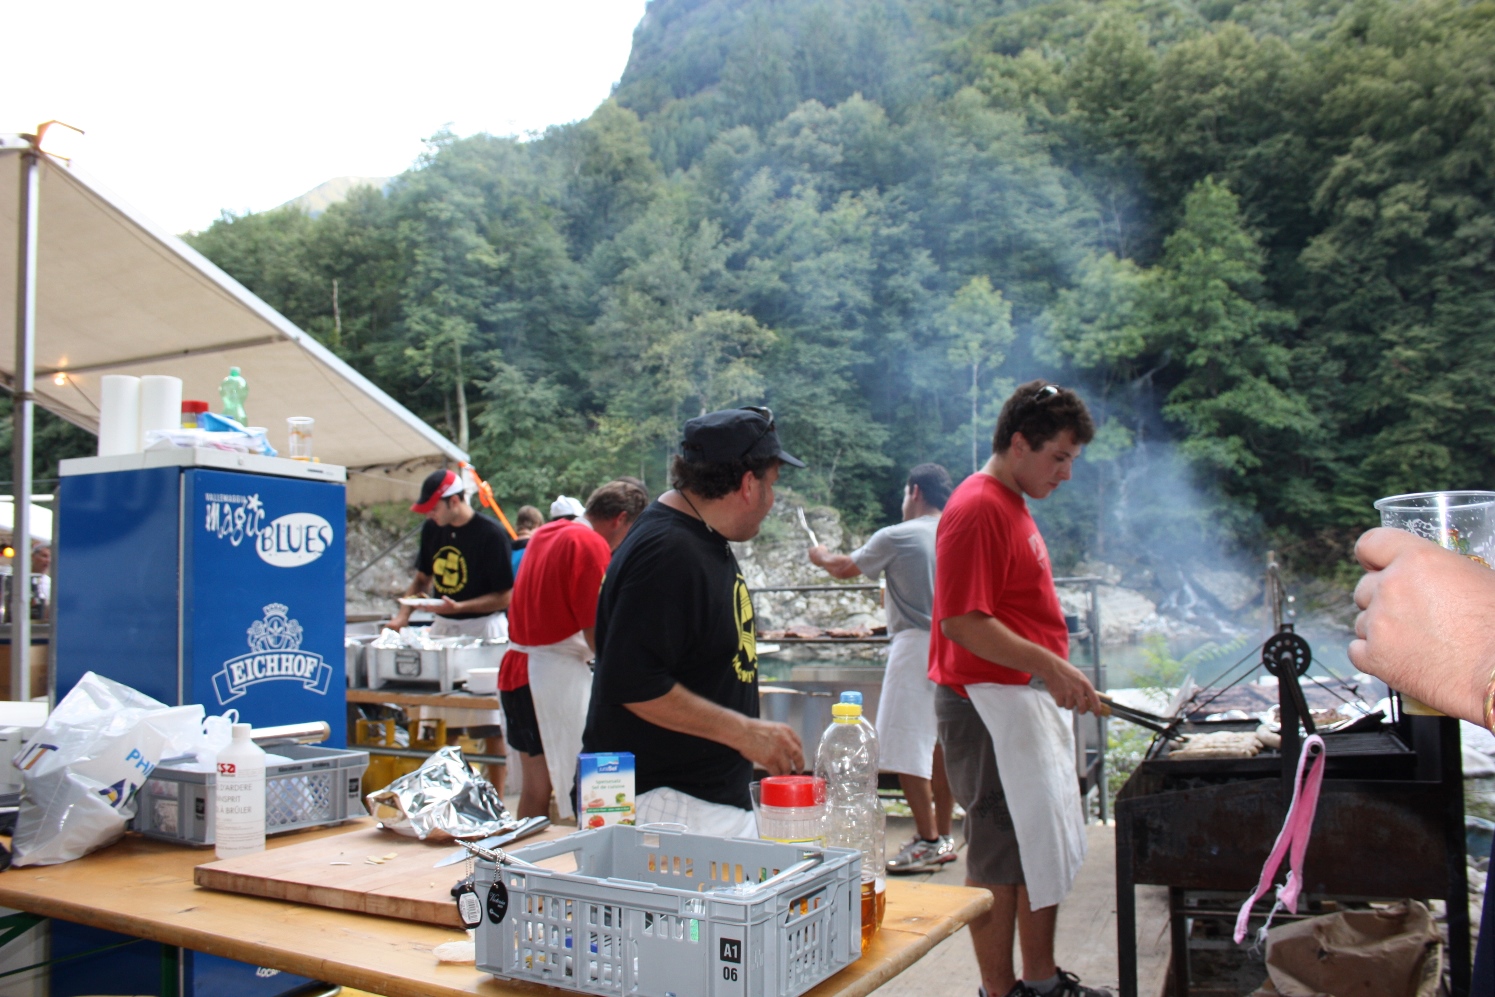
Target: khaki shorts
x=971 y=765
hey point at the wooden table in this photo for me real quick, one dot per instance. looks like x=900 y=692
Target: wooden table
x=144 y=888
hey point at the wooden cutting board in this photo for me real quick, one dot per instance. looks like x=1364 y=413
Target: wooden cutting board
x=336 y=871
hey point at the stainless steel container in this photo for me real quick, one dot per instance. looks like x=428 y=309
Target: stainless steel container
x=442 y=669
x=804 y=702
x=356 y=651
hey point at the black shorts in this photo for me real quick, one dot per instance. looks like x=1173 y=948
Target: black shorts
x=523 y=732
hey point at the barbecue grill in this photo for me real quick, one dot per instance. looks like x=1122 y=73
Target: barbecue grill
x=1389 y=824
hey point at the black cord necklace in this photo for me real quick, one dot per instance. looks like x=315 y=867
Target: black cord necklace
x=693 y=509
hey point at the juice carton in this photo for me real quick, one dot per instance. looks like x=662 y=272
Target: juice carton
x=606 y=782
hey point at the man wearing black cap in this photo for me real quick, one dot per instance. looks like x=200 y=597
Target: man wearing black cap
x=676 y=679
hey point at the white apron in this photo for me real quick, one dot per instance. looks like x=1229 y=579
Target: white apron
x=560 y=683
x=906 y=728
x=1035 y=748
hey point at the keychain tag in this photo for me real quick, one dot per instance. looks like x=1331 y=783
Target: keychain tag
x=498 y=898
x=469 y=907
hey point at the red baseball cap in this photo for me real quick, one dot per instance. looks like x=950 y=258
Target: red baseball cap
x=437 y=486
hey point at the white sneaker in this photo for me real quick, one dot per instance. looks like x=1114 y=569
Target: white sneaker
x=922 y=856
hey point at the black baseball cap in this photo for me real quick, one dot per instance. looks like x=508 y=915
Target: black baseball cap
x=437 y=486
x=734 y=434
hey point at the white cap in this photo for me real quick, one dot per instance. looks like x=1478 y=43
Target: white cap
x=565 y=505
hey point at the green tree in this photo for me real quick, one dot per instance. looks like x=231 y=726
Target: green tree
x=977 y=324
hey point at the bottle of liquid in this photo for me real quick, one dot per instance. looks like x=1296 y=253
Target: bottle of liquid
x=239 y=797
x=234 y=391
x=847 y=761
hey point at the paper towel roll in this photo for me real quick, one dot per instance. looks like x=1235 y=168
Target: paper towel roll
x=160 y=404
x=119 y=415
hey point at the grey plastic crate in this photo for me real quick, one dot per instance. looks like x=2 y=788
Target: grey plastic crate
x=638 y=916
x=318 y=786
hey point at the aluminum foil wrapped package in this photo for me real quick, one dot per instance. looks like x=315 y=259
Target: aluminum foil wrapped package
x=442 y=799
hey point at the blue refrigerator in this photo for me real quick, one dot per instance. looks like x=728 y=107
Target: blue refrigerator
x=200 y=576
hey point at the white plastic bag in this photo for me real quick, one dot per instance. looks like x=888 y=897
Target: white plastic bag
x=81 y=771
x=196 y=750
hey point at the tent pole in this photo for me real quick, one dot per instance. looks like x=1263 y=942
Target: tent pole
x=21 y=411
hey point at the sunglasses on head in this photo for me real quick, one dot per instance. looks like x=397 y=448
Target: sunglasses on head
x=766 y=413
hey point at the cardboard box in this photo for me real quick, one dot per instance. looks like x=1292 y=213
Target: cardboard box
x=606 y=789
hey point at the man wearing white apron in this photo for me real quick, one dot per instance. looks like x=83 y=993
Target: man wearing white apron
x=999 y=652
x=906 y=731
x=465 y=560
x=551 y=621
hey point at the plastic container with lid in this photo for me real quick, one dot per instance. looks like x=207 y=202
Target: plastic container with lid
x=791 y=809
x=191 y=409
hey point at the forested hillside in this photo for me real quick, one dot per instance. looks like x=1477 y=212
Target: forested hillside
x=1257 y=235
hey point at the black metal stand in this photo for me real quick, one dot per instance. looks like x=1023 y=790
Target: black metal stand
x=1388 y=826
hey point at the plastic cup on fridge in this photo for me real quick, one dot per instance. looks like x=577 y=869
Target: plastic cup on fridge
x=300 y=427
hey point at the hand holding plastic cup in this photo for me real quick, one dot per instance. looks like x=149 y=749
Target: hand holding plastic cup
x=299 y=445
x=1463 y=522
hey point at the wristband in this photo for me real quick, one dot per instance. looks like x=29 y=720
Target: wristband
x=1490 y=703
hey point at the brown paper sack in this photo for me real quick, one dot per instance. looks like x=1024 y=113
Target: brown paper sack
x=1394 y=952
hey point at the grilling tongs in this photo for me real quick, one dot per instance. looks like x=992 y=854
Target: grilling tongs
x=1166 y=727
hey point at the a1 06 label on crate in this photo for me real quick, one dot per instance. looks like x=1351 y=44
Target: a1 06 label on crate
x=730 y=976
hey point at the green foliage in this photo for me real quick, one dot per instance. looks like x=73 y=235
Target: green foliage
x=53 y=440
x=1257 y=234
x=1162 y=672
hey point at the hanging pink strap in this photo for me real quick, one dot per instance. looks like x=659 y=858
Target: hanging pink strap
x=1292 y=840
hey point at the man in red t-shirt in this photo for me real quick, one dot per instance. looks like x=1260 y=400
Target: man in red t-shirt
x=999 y=652
x=545 y=684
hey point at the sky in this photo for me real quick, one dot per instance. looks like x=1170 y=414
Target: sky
x=191 y=108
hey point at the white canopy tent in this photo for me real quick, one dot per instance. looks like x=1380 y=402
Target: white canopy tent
x=96 y=289
x=39 y=522
x=115 y=295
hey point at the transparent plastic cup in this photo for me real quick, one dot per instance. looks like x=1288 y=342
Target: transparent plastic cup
x=1463 y=522
x=299 y=445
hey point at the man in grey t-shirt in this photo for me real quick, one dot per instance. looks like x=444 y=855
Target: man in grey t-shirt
x=906 y=732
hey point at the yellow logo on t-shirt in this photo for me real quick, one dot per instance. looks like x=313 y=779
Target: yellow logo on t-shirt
x=449 y=571
x=745 y=663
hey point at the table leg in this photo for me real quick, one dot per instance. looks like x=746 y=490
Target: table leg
x=1126 y=912
x=1178 y=921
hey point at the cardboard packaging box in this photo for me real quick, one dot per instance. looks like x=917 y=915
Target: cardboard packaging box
x=606 y=789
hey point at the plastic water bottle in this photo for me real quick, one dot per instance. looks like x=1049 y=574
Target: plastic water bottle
x=847 y=761
x=239 y=797
x=234 y=391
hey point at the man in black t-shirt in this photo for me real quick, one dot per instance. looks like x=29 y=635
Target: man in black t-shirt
x=465 y=560
x=676 y=678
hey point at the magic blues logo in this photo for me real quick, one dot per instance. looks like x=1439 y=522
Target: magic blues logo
x=288 y=541
x=275 y=655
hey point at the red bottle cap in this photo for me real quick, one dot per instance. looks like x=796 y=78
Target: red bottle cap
x=189 y=405
x=792 y=791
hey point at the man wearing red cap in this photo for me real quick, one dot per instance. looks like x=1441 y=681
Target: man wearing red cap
x=465 y=560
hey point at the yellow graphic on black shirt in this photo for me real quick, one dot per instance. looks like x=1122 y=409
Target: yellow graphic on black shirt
x=449 y=571
x=745 y=662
